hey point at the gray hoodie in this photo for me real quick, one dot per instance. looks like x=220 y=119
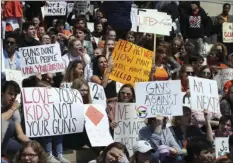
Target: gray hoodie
x=165 y=138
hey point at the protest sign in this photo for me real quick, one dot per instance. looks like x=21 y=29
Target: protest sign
x=65 y=85
x=223 y=76
x=151 y=21
x=158 y=98
x=132 y=63
x=227 y=32
x=204 y=94
x=128 y=126
x=97 y=94
x=41 y=59
x=16 y=76
x=55 y=8
x=221 y=146
x=52 y=111
x=81 y=7
x=97 y=125
x=90 y=26
x=70 y=7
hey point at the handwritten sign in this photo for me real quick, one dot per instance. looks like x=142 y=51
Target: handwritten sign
x=223 y=76
x=159 y=98
x=132 y=63
x=151 y=21
x=16 y=76
x=97 y=125
x=55 y=8
x=90 y=26
x=204 y=94
x=186 y=100
x=70 y=7
x=41 y=59
x=221 y=146
x=128 y=126
x=227 y=32
x=97 y=94
x=52 y=111
x=81 y=7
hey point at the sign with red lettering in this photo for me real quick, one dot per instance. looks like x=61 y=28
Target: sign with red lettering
x=55 y=8
x=227 y=32
x=52 y=111
x=151 y=21
x=41 y=59
x=132 y=63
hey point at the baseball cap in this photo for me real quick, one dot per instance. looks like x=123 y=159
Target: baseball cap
x=142 y=146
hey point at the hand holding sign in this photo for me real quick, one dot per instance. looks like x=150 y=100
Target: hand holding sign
x=221 y=146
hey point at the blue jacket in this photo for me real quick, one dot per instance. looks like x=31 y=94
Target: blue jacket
x=118 y=14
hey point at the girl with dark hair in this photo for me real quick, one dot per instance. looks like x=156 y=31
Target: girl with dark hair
x=126 y=94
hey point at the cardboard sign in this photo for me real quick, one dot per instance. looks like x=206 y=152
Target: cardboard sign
x=16 y=76
x=227 y=32
x=97 y=94
x=128 y=126
x=204 y=94
x=132 y=63
x=52 y=111
x=159 y=98
x=151 y=21
x=41 y=59
x=223 y=76
x=221 y=146
x=97 y=125
x=55 y=8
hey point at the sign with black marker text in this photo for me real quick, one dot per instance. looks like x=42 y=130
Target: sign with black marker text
x=158 y=98
x=221 y=146
x=55 y=8
x=97 y=94
x=204 y=94
x=52 y=111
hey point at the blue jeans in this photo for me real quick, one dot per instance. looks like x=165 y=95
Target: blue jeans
x=57 y=141
x=9 y=144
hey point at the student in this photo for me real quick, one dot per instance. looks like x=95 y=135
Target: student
x=11 y=118
x=126 y=93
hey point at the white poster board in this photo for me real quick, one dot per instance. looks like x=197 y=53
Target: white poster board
x=221 y=146
x=81 y=7
x=16 y=76
x=97 y=94
x=97 y=125
x=55 y=8
x=204 y=94
x=128 y=126
x=151 y=21
x=227 y=32
x=41 y=59
x=52 y=111
x=90 y=26
x=223 y=76
x=159 y=98
x=70 y=7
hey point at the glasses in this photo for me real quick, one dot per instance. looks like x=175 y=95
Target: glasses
x=189 y=73
x=10 y=42
x=29 y=155
x=206 y=73
x=123 y=93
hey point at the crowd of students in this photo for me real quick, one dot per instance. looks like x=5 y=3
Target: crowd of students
x=87 y=58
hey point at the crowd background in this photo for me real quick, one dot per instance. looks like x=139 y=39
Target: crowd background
x=186 y=52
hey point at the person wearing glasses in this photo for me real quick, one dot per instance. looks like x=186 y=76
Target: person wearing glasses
x=31 y=152
x=126 y=94
x=206 y=72
x=10 y=54
x=186 y=70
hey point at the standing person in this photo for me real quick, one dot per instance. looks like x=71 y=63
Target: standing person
x=28 y=38
x=11 y=118
x=13 y=15
x=196 y=26
x=218 y=22
x=117 y=15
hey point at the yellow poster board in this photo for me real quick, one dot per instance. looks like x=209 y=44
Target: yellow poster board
x=132 y=63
